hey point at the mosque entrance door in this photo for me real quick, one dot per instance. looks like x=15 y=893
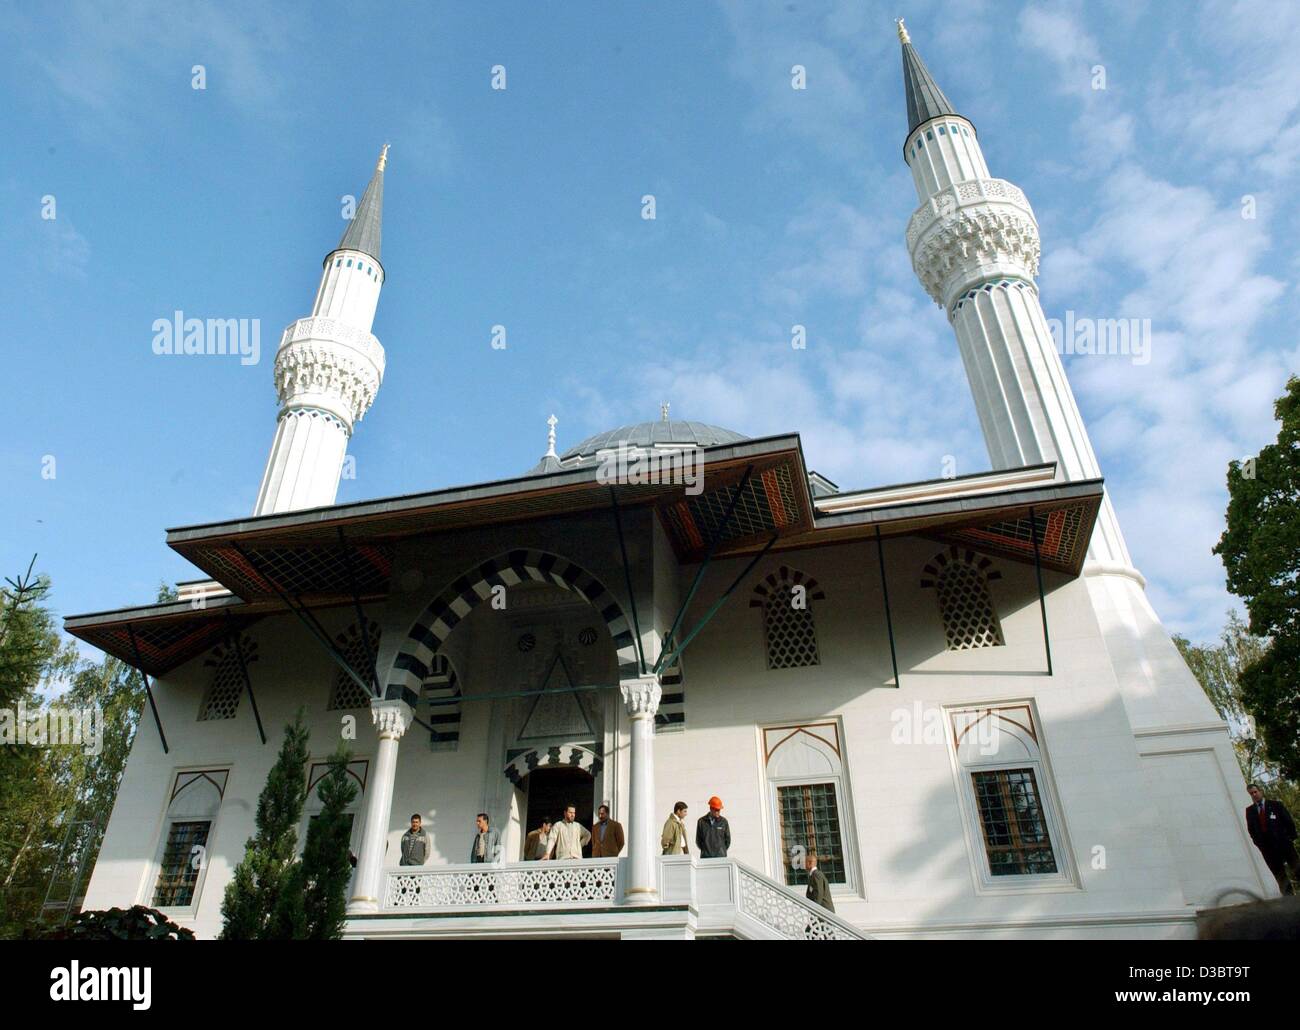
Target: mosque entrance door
x=550 y=790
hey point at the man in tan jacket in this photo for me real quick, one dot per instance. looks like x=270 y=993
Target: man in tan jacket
x=606 y=835
x=673 y=839
x=568 y=838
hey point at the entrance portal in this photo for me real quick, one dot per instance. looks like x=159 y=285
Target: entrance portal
x=550 y=790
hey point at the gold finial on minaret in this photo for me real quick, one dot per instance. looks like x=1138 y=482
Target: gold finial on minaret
x=903 y=37
x=383 y=159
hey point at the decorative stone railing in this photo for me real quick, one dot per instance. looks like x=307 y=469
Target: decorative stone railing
x=964 y=194
x=791 y=916
x=540 y=885
x=723 y=895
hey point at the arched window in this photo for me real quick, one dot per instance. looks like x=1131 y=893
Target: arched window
x=187 y=827
x=1012 y=825
x=790 y=637
x=227 y=686
x=360 y=654
x=808 y=801
x=960 y=580
x=358 y=769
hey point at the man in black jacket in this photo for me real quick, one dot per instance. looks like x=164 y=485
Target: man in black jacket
x=712 y=833
x=1272 y=829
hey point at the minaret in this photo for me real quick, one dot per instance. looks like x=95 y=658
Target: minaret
x=974 y=246
x=328 y=367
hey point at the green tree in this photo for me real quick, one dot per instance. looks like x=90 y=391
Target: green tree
x=251 y=907
x=34 y=786
x=1260 y=549
x=314 y=903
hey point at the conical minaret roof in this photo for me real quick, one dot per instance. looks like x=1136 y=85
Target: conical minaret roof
x=365 y=231
x=925 y=100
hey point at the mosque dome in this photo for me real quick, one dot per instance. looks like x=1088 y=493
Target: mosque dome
x=669 y=434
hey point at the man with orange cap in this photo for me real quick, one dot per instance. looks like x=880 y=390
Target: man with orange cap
x=712 y=832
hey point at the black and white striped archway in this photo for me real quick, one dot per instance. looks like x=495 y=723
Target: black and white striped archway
x=571 y=756
x=411 y=666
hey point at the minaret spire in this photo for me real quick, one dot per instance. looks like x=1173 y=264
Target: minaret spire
x=925 y=100
x=328 y=367
x=364 y=232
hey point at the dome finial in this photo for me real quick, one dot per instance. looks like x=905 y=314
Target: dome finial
x=663 y=411
x=550 y=437
x=903 y=37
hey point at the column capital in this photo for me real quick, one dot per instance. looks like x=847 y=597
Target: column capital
x=641 y=694
x=391 y=717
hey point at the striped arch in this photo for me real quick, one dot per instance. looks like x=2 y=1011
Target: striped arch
x=573 y=756
x=780 y=582
x=960 y=577
x=411 y=666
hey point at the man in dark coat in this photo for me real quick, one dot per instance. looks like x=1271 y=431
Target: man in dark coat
x=606 y=835
x=819 y=888
x=1273 y=830
x=712 y=832
x=415 y=843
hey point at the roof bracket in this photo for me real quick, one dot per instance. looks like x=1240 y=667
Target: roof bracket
x=1042 y=598
x=699 y=573
x=889 y=619
x=237 y=643
x=139 y=667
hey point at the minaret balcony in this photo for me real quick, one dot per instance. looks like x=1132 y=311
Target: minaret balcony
x=327 y=363
x=946 y=202
x=971 y=232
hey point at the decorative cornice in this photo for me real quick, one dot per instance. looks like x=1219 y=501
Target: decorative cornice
x=641 y=695
x=974 y=245
x=330 y=364
x=970 y=232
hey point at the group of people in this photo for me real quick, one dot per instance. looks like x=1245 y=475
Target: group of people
x=567 y=838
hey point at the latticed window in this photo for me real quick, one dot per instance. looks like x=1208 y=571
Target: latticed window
x=966 y=608
x=786 y=597
x=180 y=871
x=791 y=636
x=1015 y=830
x=360 y=655
x=222 y=698
x=810 y=821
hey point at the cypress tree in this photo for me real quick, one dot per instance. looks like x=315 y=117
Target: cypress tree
x=314 y=903
x=251 y=908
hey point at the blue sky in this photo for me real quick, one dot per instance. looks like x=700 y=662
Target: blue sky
x=522 y=208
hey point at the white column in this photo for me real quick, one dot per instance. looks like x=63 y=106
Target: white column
x=391 y=720
x=641 y=698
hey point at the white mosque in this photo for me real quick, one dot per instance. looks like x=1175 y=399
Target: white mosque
x=955 y=692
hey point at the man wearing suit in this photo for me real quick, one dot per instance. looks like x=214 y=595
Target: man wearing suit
x=606 y=835
x=819 y=888
x=1272 y=829
x=673 y=839
x=535 y=844
x=487 y=842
